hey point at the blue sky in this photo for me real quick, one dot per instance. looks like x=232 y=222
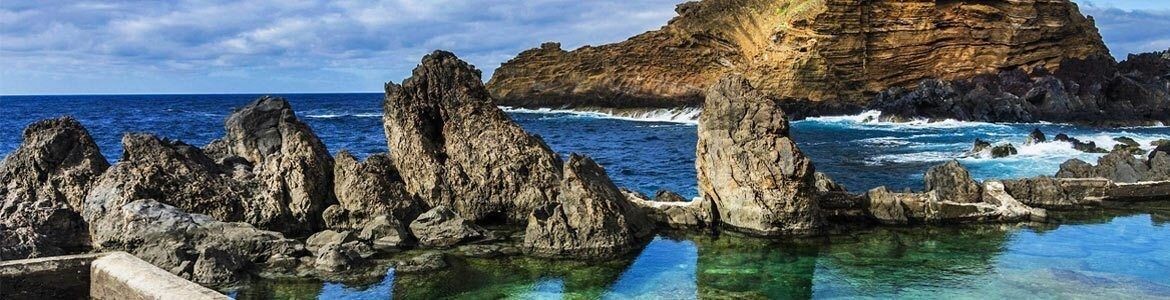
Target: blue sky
x=288 y=46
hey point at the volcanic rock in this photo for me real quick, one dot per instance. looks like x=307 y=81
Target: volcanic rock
x=979 y=146
x=668 y=196
x=453 y=147
x=294 y=169
x=953 y=183
x=441 y=228
x=825 y=183
x=1058 y=193
x=42 y=187
x=757 y=178
x=829 y=56
x=1005 y=150
x=367 y=190
x=1036 y=137
x=591 y=218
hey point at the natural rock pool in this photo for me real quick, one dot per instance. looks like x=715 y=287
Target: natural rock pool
x=1120 y=253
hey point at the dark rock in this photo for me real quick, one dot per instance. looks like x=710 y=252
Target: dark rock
x=367 y=190
x=293 y=167
x=1160 y=143
x=755 y=175
x=1058 y=193
x=953 y=183
x=1087 y=147
x=979 y=146
x=1005 y=150
x=591 y=218
x=455 y=148
x=1128 y=145
x=42 y=188
x=1036 y=136
x=441 y=227
x=1122 y=166
x=426 y=262
x=668 y=196
x=1076 y=168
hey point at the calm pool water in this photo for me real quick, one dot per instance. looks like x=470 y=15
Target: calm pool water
x=1120 y=254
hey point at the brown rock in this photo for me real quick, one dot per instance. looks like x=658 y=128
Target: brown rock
x=42 y=187
x=366 y=190
x=591 y=218
x=757 y=178
x=953 y=183
x=442 y=228
x=455 y=148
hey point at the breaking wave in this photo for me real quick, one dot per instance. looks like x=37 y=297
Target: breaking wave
x=686 y=115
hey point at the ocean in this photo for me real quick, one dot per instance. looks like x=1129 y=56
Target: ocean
x=1122 y=252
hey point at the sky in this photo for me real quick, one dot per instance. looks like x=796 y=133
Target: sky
x=294 y=46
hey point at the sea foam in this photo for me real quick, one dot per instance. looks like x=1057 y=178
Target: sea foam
x=686 y=115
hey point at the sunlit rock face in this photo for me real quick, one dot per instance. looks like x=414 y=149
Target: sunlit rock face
x=749 y=167
x=833 y=53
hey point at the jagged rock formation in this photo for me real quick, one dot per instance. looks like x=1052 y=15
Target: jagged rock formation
x=367 y=190
x=1121 y=166
x=293 y=167
x=590 y=219
x=951 y=196
x=442 y=228
x=42 y=186
x=820 y=56
x=455 y=148
x=697 y=214
x=1058 y=193
x=194 y=246
x=753 y=173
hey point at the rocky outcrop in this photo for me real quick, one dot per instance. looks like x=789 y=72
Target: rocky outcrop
x=1121 y=166
x=442 y=228
x=749 y=167
x=367 y=190
x=1087 y=147
x=292 y=166
x=827 y=56
x=194 y=246
x=455 y=148
x=42 y=186
x=590 y=219
x=951 y=196
x=1059 y=193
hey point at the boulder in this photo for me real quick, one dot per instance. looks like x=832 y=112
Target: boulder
x=42 y=188
x=1087 y=147
x=824 y=183
x=908 y=208
x=367 y=190
x=455 y=148
x=1076 y=168
x=190 y=245
x=979 y=146
x=1122 y=166
x=293 y=168
x=441 y=227
x=590 y=219
x=426 y=262
x=1036 y=137
x=1058 y=193
x=1128 y=145
x=951 y=182
x=1005 y=150
x=385 y=234
x=753 y=172
x=668 y=196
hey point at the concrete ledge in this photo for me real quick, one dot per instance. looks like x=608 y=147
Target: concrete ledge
x=1140 y=191
x=45 y=265
x=120 y=275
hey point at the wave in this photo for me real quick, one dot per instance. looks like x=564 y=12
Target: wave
x=686 y=115
x=871 y=120
x=330 y=115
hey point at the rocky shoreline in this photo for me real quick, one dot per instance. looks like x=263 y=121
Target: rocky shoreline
x=462 y=179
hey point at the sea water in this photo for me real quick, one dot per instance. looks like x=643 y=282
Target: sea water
x=1121 y=252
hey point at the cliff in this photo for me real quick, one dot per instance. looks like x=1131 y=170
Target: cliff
x=829 y=54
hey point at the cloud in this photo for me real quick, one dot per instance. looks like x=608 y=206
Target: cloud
x=283 y=46
x=1128 y=31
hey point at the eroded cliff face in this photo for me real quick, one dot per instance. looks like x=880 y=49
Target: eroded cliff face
x=833 y=53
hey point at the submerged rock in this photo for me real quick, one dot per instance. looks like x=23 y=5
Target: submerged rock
x=755 y=175
x=42 y=188
x=293 y=167
x=455 y=148
x=1087 y=147
x=441 y=228
x=978 y=147
x=591 y=218
x=1128 y=145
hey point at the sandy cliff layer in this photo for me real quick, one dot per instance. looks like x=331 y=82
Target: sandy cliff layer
x=836 y=54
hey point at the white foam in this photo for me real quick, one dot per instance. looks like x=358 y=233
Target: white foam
x=871 y=120
x=339 y=115
x=689 y=115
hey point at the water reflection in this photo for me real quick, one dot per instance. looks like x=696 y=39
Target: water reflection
x=1114 y=254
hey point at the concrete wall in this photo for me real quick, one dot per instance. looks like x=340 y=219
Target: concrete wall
x=120 y=275
x=58 y=277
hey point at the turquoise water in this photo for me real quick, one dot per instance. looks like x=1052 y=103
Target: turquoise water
x=1122 y=253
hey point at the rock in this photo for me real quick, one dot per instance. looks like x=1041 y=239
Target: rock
x=488 y=251
x=337 y=257
x=367 y=190
x=888 y=207
x=1160 y=143
x=293 y=167
x=319 y=240
x=1036 y=137
x=1122 y=166
x=951 y=182
x=1058 y=193
x=1159 y=162
x=1128 y=145
x=825 y=183
x=591 y=218
x=1076 y=168
x=757 y=178
x=696 y=214
x=1089 y=147
x=385 y=234
x=907 y=208
x=823 y=56
x=1008 y=207
x=455 y=148
x=441 y=227
x=1001 y=151
x=668 y=196
x=42 y=187
x=171 y=239
x=423 y=263
x=979 y=146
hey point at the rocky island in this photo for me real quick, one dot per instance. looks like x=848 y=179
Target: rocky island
x=995 y=61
